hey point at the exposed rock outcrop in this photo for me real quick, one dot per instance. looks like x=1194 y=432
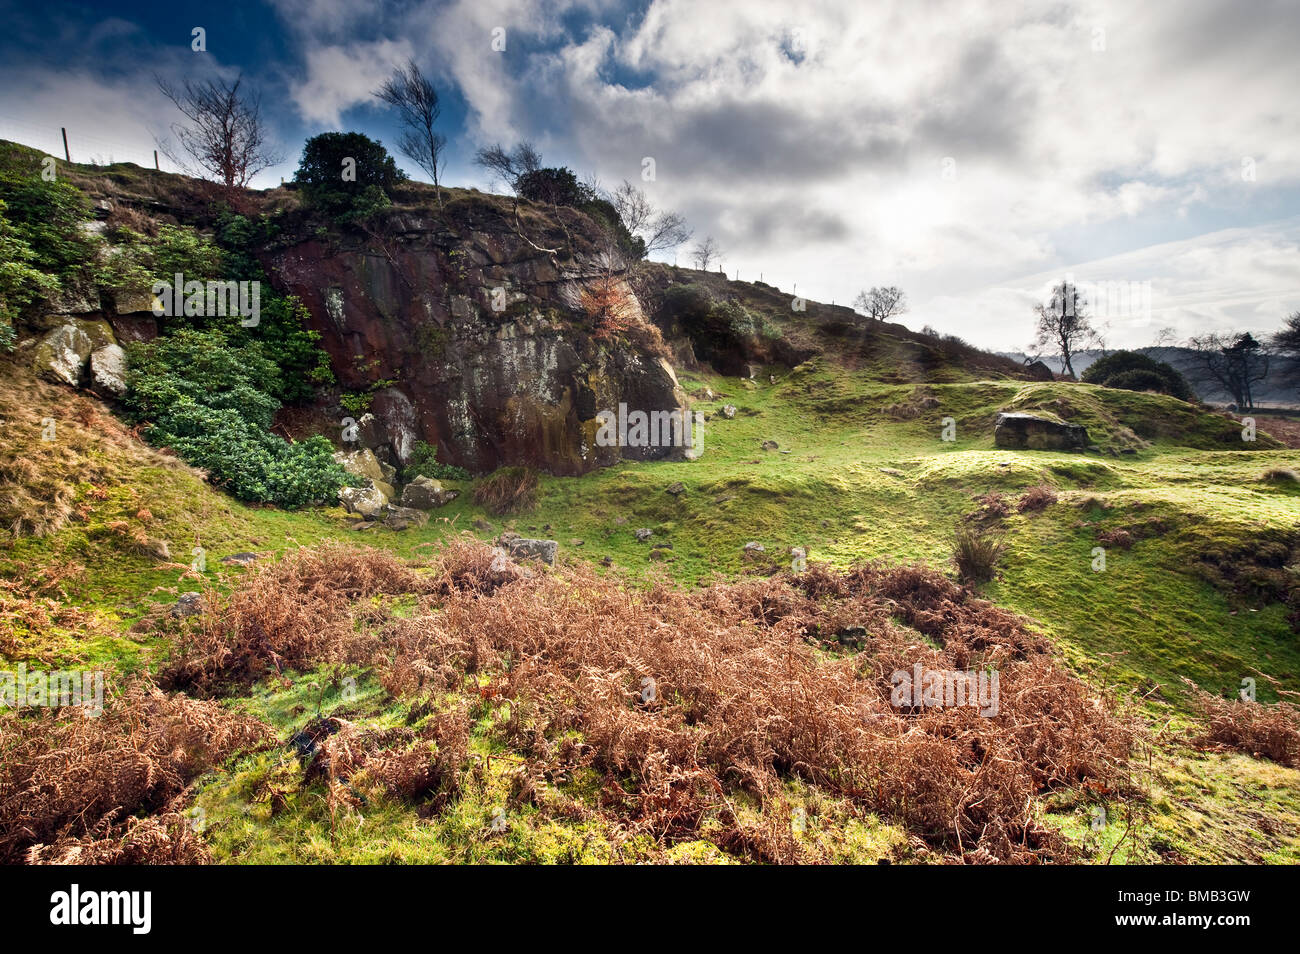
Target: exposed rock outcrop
x=479 y=328
x=1030 y=432
x=524 y=548
x=368 y=501
x=425 y=493
x=63 y=354
x=108 y=370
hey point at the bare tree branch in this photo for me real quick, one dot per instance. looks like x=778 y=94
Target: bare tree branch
x=224 y=139
x=659 y=230
x=416 y=101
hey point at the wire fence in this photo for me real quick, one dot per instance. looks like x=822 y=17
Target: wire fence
x=64 y=143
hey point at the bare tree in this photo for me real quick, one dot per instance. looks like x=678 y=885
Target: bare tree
x=1063 y=323
x=1166 y=337
x=1237 y=362
x=1288 y=339
x=416 y=102
x=510 y=166
x=659 y=230
x=705 y=253
x=881 y=303
x=224 y=139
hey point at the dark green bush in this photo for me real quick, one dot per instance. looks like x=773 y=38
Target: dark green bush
x=140 y=260
x=211 y=401
x=1138 y=380
x=1119 y=369
x=321 y=170
x=20 y=282
x=47 y=216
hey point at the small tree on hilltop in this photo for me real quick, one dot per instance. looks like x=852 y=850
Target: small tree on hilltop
x=657 y=230
x=347 y=174
x=224 y=139
x=416 y=102
x=881 y=303
x=1064 y=323
x=706 y=253
x=512 y=165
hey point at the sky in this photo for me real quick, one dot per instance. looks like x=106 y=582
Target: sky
x=969 y=151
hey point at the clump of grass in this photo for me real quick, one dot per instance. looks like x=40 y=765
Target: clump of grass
x=508 y=490
x=1119 y=537
x=976 y=554
x=1243 y=725
x=1280 y=475
x=993 y=505
x=1036 y=498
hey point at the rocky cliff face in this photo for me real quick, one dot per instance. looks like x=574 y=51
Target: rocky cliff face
x=466 y=328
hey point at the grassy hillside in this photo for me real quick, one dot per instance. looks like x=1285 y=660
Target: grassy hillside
x=859 y=473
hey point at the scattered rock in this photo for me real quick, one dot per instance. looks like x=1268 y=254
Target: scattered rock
x=108 y=369
x=1038 y=371
x=677 y=488
x=362 y=463
x=729 y=411
x=891 y=471
x=241 y=559
x=1030 y=432
x=155 y=548
x=644 y=534
x=188 y=604
x=660 y=554
x=425 y=493
x=606 y=561
x=752 y=549
x=575 y=542
x=63 y=353
x=525 y=548
x=855 y=636
x=129 y=328
x=368 y=501
x=132 y=302
x=770 y=445
x=620 y=521
x=400 y=518
x=482 y=526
